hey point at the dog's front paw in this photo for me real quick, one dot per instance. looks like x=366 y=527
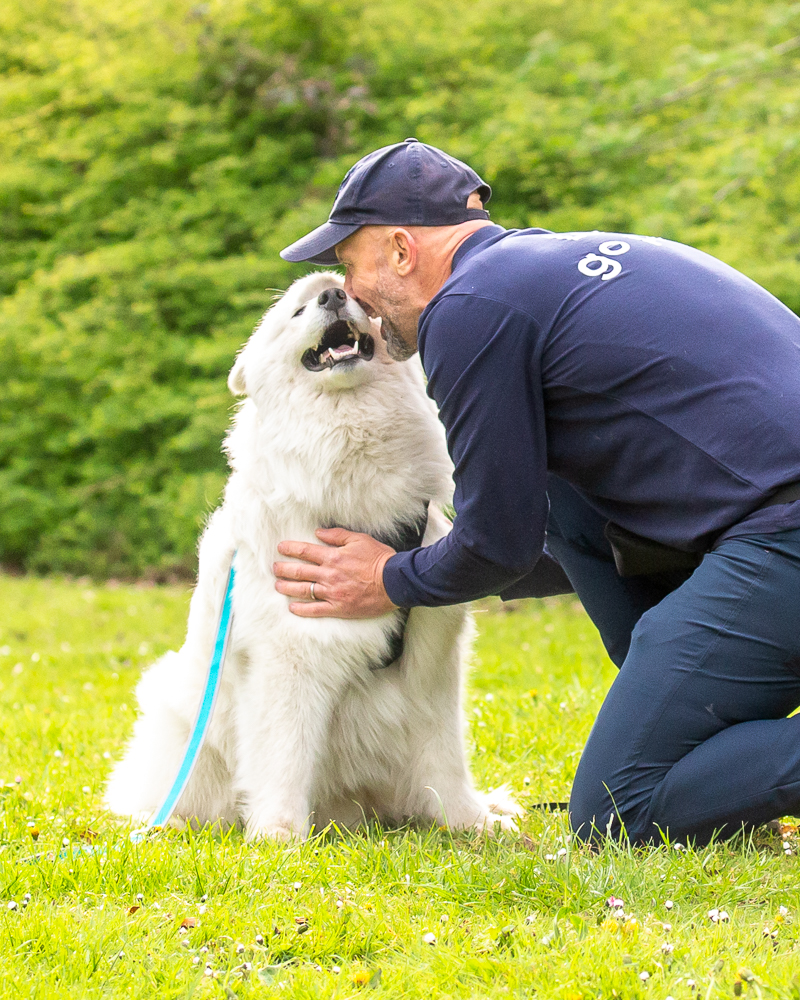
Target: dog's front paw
x=502 y=811
x=500 y=800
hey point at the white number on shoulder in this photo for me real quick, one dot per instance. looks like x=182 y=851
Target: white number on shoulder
x=614 y=247
x=591 y=265
x=594 y=265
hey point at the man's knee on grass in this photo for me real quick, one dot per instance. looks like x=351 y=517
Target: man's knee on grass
x=595 y=815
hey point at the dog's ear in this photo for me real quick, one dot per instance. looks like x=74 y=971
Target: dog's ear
x=236 y=381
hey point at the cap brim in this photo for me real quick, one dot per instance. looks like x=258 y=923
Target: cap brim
x=318 y=246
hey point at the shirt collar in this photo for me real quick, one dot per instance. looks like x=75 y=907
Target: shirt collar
x=474 y=241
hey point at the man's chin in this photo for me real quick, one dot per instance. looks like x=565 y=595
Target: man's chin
x=397 y=347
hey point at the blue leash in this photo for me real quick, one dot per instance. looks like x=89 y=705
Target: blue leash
x=204 y=714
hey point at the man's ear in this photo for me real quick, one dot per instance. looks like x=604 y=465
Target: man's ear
x=403 y=251
x=236 y=381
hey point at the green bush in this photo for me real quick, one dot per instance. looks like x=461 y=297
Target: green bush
x=158 y=155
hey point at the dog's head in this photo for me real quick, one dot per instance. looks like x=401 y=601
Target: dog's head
x=316 y=334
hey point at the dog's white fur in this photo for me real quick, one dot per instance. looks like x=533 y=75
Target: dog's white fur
x=304 y=731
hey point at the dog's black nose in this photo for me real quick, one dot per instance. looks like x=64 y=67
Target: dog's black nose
x=332 y=298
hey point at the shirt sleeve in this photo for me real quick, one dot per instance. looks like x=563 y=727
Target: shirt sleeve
x=546 y=580
x=482 y=362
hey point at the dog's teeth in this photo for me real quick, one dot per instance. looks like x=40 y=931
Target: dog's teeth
x=343 y=351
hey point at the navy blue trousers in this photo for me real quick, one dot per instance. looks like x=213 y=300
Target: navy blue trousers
x=693 y=738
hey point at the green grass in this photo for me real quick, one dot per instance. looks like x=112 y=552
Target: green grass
x=518 y=916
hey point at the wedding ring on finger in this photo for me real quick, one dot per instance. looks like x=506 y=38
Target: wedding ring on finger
x=313 y=595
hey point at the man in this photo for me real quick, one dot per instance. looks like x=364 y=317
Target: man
x=633 y=403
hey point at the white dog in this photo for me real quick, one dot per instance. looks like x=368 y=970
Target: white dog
x=317 y=720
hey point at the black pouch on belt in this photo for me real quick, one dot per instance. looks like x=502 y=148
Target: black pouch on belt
x=638 y=556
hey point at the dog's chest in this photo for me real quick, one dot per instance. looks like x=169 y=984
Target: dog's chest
x=373 y=473
x=360 y=484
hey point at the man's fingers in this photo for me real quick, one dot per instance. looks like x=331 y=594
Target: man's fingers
x=296 y=571
x=314 y=609
x=307 y=551
x=299 y=589
x=336 y=536
x=348 y=568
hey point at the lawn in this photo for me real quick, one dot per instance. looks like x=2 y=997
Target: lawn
x=406 y=913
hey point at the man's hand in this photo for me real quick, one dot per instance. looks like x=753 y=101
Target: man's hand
x=347 y=573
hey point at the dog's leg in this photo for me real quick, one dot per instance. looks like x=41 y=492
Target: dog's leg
x=283 y=711
x=142 y=778
x=169 y=694
x=440 y=788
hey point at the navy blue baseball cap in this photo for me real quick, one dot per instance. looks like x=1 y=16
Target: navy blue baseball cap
x=407 y=184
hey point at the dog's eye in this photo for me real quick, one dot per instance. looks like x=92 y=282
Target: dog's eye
x=299 y=312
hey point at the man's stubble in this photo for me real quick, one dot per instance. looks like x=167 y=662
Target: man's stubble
x=398 y=322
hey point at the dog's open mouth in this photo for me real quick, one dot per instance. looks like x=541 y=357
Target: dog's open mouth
x=341 y=343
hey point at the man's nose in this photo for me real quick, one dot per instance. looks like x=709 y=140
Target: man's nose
x=332 y=298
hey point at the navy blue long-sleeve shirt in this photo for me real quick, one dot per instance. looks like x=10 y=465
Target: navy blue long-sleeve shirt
x=658 y=381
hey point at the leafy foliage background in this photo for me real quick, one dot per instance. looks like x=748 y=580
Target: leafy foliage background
x=157 y=155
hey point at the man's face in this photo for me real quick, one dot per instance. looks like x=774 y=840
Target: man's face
x=370 y=279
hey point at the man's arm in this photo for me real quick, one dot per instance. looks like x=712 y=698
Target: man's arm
x=481 y=358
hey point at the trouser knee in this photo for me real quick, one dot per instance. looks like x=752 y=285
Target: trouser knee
x=592 y=817
x=595 y=814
